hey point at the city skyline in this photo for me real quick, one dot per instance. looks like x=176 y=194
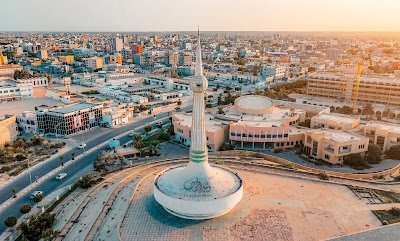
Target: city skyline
x=131 y=16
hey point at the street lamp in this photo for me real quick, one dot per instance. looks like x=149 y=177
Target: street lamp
x=29 y=171
x=366 y=157
x=56 y=130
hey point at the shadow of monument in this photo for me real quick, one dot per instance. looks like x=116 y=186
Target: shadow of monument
x=158 y=212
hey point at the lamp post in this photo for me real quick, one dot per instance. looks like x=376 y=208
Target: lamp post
x=29 y=171
x=56 y=130
x=366 y=157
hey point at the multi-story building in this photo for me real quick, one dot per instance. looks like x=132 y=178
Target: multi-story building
x=27 y=122
x=383 y=134
x=137 y=49
x=117 y=44
x=276 y=72
x=66 y=59
x=185 y=59
x=333 y=145
x=9 y=69
x=374 y=90
x=68 y=119
x=36 y=82
x=93 y=63
x=11 y=91
x=172 y=58
x=3 y=59
x=216 y=130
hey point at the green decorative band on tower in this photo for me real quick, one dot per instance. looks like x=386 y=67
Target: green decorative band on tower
x=198 y=156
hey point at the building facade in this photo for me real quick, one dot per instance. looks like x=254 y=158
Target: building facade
x=69 y=119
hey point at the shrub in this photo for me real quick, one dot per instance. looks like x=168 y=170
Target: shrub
x=355 y=161
x=394 y=152
x=323 y=176
x=39 y=227
x=86 y=181
x=395 y=211
x=164 y=136
x=26 y=208
x=20 y=157
x=5 y=169
x=148 y=128
x=10 y=221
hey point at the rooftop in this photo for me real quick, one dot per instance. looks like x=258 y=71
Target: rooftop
x=337 y=135
x=72 y=108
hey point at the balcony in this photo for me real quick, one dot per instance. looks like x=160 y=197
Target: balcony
x=329 y=149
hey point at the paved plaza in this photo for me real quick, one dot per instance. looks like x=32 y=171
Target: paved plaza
x=273 y=208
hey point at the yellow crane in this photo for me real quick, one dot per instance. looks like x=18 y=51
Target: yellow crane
x=357 y=84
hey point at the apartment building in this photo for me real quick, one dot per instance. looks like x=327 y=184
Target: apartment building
x=274 y=71
x=8 y=130
x=372 y=89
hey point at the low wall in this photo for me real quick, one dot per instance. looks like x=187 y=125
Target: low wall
x=366 y=176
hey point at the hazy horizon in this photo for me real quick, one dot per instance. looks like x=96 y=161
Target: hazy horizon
x=182 y=16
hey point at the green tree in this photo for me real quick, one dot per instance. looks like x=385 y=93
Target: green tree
x=38 y=198
x=25 y=209
x=38 y=228
x=220 y=111
x=393 y=152
x=148 y=128
x=227 y=146
x=179 y=102
x=10 y=221
x=374 y=155
x=137 y=140
x=228 y=88
x=356 y=161
x=22 y=74
x=86 y=181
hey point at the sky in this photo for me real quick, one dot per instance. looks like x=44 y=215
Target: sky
x=211 y=15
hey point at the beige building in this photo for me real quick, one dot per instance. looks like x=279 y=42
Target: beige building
x=383 y=134
x=333 y=145
x=8 y=130
x=376 y=90
x=334 y=121
x=216 y=130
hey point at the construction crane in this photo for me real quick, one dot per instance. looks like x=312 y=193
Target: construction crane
x=357 y=82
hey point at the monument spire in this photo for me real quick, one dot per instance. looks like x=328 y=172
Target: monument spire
x=199 y=62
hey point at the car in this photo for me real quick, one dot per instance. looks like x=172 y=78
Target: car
x=35 y=193
x=131 y=134
x=61 y=176
x=81 y=146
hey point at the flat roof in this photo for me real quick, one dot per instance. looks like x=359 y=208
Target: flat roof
x=338 y=135
x=384 y=125
x=336 y=117
x=212 y=124
x=17 y=107
x=73 y=107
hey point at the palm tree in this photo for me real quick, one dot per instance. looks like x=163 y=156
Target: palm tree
x=368 y=109
x=154 y=145
x=62 y=160
x=137 y=140
x=14 y=190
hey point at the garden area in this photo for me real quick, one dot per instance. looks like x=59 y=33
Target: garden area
x=388 y=216
x=16 y=157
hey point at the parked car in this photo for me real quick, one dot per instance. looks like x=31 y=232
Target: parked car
x=131 y=134
x=35 y=193
x=81 y=146
x=61 y=176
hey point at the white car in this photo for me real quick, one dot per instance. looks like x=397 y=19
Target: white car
x=131 y=134
x=61 y=176
x=35 y=193
x=81 y=146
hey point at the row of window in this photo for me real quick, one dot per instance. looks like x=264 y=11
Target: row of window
x=259 y=136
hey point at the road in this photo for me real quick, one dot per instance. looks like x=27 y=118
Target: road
x=74 y=171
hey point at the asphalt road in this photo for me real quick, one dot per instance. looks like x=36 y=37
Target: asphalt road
x=74 y=171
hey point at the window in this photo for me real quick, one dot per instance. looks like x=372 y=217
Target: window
x=361 y=146
x=327 y=156
x=233 y=133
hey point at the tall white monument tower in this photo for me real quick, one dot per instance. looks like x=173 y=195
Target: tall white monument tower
x=198 y=190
